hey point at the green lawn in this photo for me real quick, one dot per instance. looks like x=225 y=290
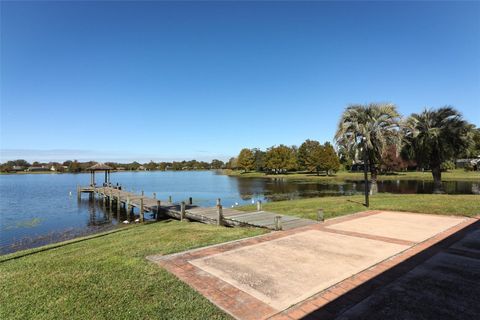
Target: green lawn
x=108 y=277
x=451 y=175
x=467 y=205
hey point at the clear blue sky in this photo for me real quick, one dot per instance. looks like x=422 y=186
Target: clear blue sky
x=163 y=81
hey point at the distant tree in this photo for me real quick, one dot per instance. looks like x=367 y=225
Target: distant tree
x=164 y=165
x=133 y=166
x=74 y=166
x=473 y=150
x=259 y=162
x=21 y=163
x=280 y=159
x=309 y=155
x=246 y=160
x=371 y=128
x=328 y=160
x=217 y=164
x=150 y=166
x=392 y=160
x=435 y=136
x=232 y=163
x=346 y=157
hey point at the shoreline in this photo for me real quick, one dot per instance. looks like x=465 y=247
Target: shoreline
x=342 y=176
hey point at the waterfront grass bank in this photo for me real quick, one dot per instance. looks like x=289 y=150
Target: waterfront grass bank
x=462 y=205
x=108 y=277
x=452 y=175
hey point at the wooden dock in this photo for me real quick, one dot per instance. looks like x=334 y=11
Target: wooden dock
x=117 y=200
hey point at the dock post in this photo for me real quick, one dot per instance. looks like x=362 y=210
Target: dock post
x=259 y=205
x=158 y=210
x=219 y=202
x=320 y=216
x=79 y=193
x=143 y=193
x=182 y=211
x=110 y=198
x=154 y=195
x=278 y=222
x=141 y=209
x=170 y=199
x=104 y=198
x=128 y=207
x=219 y=215
x=119 y=202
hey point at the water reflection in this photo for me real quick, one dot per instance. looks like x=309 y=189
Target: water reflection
x=283 y=189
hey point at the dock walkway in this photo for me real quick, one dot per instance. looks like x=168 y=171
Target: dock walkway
x=118 y=199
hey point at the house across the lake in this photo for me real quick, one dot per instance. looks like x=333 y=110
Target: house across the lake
x=472 y=162
x=37 y=169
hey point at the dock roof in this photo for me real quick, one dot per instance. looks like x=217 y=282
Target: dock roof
x=99 y=166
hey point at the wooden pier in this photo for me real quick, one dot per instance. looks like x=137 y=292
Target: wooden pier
x=117 y=200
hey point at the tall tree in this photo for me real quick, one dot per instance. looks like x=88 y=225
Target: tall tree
x=259 y=156
x=435 y=136
x=328 y=160
x=246 y=160
x=280 y=159
x=309 y=156
x=368 y=130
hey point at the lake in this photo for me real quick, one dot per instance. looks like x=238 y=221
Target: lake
x=36 y=209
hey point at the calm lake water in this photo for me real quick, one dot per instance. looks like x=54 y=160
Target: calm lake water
x=38 y=209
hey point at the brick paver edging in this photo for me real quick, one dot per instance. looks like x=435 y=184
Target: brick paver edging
x=241 y=305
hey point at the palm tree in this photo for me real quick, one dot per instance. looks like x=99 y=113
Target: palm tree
x=435 y=136
x=369 y=130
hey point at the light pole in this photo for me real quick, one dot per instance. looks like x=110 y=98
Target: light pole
x=365 y=172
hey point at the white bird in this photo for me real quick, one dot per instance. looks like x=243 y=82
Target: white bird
x=70 y=193
x=232 y=205
x=137 y=220
x=126 y=222
x=236 y=203
x=253 y=201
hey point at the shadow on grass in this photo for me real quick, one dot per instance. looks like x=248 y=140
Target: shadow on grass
x=357 y=202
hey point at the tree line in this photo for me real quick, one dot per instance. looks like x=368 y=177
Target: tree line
x=74 y=166
x=311 y=156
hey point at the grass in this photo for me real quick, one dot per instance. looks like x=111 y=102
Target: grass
x=452 y=175
x=108 y=277
x=462 y=205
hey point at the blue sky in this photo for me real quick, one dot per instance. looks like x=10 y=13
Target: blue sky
x=168 y=81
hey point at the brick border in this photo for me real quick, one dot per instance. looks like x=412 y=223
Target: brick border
x=333 y=301
x=326 y=303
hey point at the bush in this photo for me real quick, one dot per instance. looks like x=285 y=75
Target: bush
x=447 y=165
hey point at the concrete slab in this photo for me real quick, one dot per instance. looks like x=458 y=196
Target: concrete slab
x=398 y=225
x=285 y=271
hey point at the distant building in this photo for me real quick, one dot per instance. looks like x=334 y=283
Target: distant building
x=17 y=168
x=473 y=162
x=141 y=168
x=36 y=169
